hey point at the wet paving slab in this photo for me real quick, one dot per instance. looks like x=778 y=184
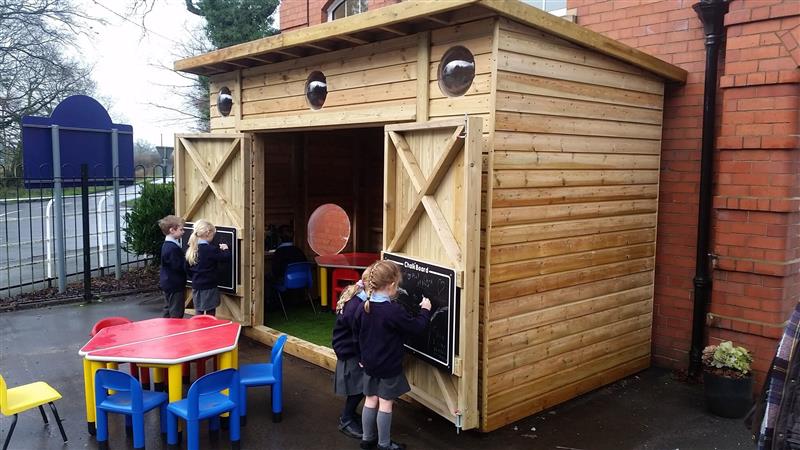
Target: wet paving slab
x=648 y=411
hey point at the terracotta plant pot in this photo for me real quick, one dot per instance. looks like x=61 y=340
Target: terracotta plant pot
x=728 y=397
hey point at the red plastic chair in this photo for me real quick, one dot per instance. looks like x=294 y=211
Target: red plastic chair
x=341 y=275
x=200 y=364
x=108 y=322
x=117 y=320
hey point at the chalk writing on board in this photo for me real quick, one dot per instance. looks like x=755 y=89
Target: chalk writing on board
x=437 y=344
x=227 y=272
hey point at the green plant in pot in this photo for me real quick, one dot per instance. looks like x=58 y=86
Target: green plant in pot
x=727 y=379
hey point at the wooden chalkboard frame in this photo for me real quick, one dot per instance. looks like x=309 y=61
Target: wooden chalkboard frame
x=410 y=265
x=228 y=235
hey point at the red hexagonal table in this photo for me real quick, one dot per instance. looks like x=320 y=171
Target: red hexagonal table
x=160 y=343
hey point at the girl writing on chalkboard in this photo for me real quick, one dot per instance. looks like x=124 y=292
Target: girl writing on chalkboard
x=349 y=375
x=203 y=258
x=382 y=326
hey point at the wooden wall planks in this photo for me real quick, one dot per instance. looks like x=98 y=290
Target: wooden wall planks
x=572 y=242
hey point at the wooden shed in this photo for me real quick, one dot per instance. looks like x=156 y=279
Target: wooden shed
x=538 y=185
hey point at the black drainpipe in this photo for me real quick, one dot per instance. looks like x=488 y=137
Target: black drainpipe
x=712 y=14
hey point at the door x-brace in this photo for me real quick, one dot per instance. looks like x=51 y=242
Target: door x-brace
x=210 y=180
x=425 y=188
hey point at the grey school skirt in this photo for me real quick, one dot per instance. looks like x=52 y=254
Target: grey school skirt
x=386 y=388
x=348 y=378
x=205 y=299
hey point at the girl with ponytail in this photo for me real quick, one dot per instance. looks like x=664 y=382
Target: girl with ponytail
x=349 y=375
x=202 y=260
x=382 y=326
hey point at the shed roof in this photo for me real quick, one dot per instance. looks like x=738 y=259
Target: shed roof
x=410 y=17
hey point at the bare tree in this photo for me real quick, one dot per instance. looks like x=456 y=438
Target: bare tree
x=227 y=22
x=145 y=6
x=36 y=74
x=193 y=111
x=145 y=158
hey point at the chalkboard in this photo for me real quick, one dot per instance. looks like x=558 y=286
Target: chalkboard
x=437 y=344
x=228 y=272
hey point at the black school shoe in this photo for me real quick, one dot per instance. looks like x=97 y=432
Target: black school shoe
x=369 y=445
x=393 y=446
x=351 y=429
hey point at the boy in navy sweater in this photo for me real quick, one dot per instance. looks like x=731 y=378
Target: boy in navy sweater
x=172 y=276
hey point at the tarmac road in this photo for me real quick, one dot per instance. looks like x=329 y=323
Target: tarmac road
x=23 y=234
x=649 y=411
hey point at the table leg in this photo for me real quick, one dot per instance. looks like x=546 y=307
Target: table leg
x=94 y=366
x=112 y=366
x=158 y=378
x=323 y=286
x=225 y=361
x=88 y=393
x=235 y=358
x=174 y=384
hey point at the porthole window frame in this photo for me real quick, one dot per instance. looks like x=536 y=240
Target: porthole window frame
x=312 y=77
x=222 y=91
x=447 y=58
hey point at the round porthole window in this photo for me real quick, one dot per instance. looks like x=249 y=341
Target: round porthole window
x=224 y=101
x=456 y=71
x=316 y=89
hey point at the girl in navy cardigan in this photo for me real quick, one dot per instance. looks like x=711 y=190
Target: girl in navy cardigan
x=349 y=375
x=383 y=326
x=202 y=258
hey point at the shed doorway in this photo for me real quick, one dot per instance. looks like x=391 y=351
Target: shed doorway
x=415 y=193
x=302 y=171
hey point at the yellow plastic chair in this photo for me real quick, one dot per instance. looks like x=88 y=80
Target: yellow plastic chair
x=22 y=398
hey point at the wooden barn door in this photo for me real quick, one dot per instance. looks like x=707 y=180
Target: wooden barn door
x=213 y=182
x=432 y=211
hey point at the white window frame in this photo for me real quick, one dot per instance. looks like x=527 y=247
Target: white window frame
x=333 y=7
x=556 y=12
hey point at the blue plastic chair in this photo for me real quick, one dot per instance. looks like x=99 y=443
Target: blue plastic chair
x=297 y=276
x=206 y=401
x=128 y=399
x=269 y=374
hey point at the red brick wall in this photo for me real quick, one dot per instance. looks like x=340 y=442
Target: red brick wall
x=755 y=220
x=303 y=13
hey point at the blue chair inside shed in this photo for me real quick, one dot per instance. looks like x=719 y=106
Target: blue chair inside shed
x=205 y=400
x=128 y=399
x=297 y=276
x=265 y=374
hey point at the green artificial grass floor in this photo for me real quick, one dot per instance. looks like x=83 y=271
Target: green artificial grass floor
x=302 y=322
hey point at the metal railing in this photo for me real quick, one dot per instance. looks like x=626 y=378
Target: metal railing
x=27 y=229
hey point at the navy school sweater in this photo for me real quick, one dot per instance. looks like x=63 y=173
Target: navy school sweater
x=344 y=337
x=204 y=273
x=172 y=276
x=285 y=255
x=381 y=334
